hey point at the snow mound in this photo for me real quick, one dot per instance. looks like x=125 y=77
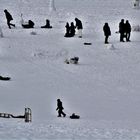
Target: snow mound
x=110 y=46
x=33 y=33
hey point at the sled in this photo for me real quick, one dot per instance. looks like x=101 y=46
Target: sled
x=5 y=115
x=74 y=116
x=27 y=116
x=5 y=78
x=87 y=43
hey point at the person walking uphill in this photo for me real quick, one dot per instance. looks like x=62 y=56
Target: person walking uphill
x=107 y=32
x=79 y=27
x=9 y=18
x=60 y=108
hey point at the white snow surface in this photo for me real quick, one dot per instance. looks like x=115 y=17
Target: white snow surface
x=103 y=88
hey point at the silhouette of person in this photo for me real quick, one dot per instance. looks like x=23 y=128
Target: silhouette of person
x=29 y=25
x=79 y=27
x=60 y=108
x=47 y=24
x=72 y=29
x=122 y=30
x=127 y=30
x=107 y=32
x=9 y=18
x=67 y=34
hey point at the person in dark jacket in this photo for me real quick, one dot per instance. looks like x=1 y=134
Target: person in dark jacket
x=47 y=24
x=29 y=25
x=67 y=34
x=9 y=18
x=79 y=27
x=127 y=30
x=107 y=32
x=122 y=30
x=60 y=108
x=72 y=29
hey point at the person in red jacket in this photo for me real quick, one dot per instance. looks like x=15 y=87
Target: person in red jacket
x=9 y=18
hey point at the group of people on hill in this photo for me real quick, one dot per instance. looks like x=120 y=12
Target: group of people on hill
x=71 y=29
x=29 y=24
x=124 y=30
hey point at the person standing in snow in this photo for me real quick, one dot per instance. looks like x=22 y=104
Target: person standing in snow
x=122 y=30
x=72 y=29
x=127 y=30
x=67 y=34
x=79 y=27
x=107 y=32
x=60 y=108
x=9 y=18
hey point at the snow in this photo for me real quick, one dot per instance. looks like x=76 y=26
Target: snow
x=103 y=88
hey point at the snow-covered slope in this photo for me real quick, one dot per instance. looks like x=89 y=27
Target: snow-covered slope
x=103 y=88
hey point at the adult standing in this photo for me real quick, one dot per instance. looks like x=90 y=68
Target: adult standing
x=72 y=29
x=127 y=30
x=9 y=18
x=79 y=27
x=122 y=30
x=107 y=32
x=60 y=108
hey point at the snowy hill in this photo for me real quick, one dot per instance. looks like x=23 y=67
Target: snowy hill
x=103 y=88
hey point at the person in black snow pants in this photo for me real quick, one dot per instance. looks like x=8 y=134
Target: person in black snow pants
x=107 y=32
x=127 y=30
x=122 y=30
x=60 y=108
x=9 y=18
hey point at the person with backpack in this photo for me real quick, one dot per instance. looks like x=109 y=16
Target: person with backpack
x=8 y=18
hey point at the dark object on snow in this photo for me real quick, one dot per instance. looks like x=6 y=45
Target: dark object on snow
x=9 y=18
x=47 y=24
x=107 y=32
x=127 y=30
x=29 y=25
x=122 y=30
x=86 y=43
x=60 y=108
x=74 y=60
x=27 y=116
x=72 y=29
x=67 y=34
x=79 y=27
x=74 y=116
x=5 y=78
